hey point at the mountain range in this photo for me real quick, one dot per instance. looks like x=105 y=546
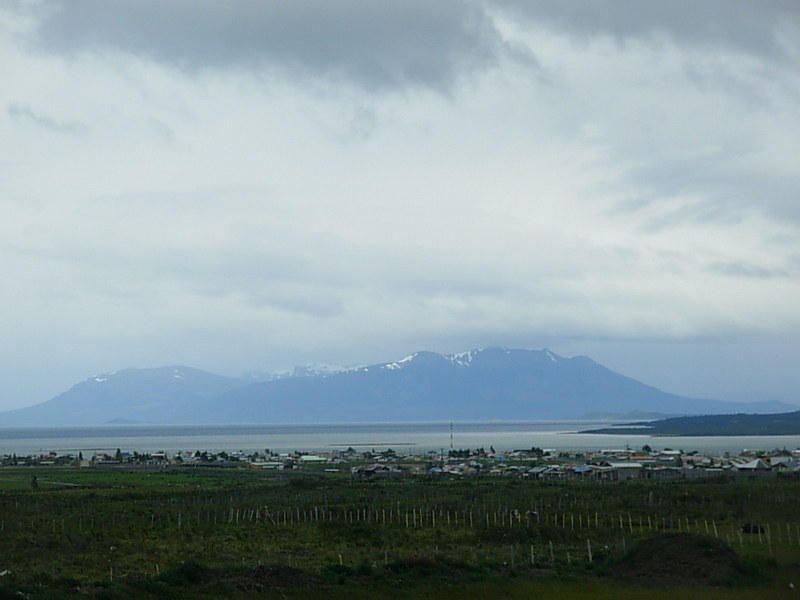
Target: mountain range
x=484 y=384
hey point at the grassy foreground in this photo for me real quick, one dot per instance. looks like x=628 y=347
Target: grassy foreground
x=238 y=533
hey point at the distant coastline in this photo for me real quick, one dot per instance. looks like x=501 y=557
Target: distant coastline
x=416 y=438
x=710 y=425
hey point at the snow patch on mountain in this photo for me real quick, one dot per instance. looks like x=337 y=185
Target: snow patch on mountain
x=460 y=359
x=464 y=359
x=400 y=363
x=312 y=370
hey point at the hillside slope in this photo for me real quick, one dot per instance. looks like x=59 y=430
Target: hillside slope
x=159 y=395
x=493 y=383
x=479 y=385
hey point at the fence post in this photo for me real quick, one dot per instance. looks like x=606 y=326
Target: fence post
x=769 y=539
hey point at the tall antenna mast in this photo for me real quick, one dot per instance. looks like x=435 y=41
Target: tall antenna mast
x=451 y=436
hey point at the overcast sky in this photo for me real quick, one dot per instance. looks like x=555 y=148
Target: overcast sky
x=255 y=184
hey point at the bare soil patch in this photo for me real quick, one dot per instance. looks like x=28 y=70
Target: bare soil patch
x=678 y=560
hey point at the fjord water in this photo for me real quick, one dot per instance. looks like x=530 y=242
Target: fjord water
x=404 y=438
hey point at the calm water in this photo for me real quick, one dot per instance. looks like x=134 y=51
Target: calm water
x=411 y=438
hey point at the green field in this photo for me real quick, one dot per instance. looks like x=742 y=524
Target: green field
x=245 y=533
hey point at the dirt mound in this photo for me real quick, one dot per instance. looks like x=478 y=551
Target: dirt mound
x=192 y=574
x=678 y=560
x=260 y=578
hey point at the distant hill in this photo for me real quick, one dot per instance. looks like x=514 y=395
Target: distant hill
x=485 y=384
x=491 y=383
x=163 y=395
x=709 y=425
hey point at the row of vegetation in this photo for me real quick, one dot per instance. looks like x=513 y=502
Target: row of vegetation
x=171 y=533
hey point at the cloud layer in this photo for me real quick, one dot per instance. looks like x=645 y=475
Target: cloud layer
x=247 y=184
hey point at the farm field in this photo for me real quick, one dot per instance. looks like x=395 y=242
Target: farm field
x=245 y=533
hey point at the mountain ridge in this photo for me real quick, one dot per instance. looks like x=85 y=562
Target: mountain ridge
x=480 y=384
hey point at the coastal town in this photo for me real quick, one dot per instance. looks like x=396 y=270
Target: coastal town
x=533 y=463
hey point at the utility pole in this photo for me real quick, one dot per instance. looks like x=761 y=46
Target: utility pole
x=451 y=436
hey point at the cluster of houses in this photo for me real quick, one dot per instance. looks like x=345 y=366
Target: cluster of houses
x=536 y=463
x=610 y=465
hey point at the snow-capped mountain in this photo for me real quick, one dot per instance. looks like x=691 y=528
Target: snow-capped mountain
x=311 y=370
x=464 y=359
x=489 y=383
x=482 y=384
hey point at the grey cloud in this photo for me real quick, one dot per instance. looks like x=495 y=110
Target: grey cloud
x=724 y=188
x=161 y=130
x=23 y=114
x=739 y=269
x=733 y=181
x=752 y=27
x=378 y=45
x=284 y=280
x=279 y=274
x=308 y=302
x=270 y=266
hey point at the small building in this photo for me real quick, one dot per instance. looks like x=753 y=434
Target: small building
x=375 y=471
x=619 y=471
x=754 y=466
